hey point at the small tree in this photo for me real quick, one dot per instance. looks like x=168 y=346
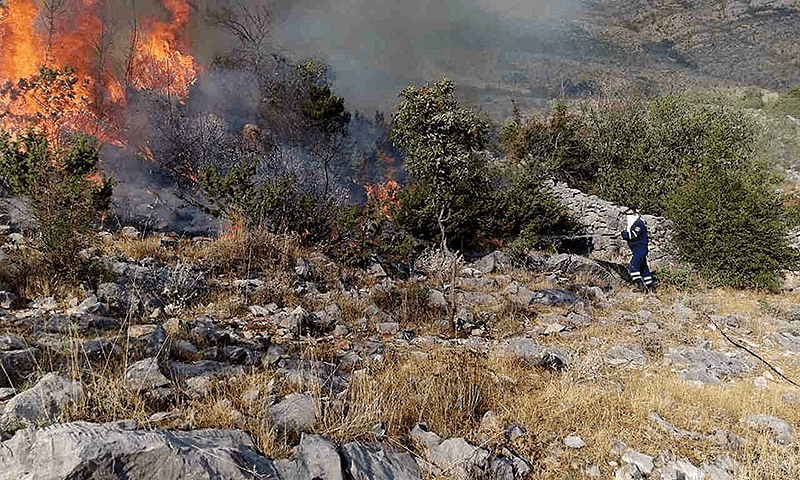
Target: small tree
x=730 y=225
x=440 y=140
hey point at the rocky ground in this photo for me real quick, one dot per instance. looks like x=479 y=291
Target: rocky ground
x=558 y=369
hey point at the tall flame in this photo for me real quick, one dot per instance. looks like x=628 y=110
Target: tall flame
x=22 y=52
x=159 y=64
x=54 y=73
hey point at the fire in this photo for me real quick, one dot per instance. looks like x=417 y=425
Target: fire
x=22 y=52
x=159 y=65
x=385 y=194
x=58 y=75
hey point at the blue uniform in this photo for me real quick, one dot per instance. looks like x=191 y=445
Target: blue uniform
x=636 y=237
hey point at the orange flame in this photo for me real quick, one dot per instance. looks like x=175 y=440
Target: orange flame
x=159 y=65
x=37 y=93
x=22 y=52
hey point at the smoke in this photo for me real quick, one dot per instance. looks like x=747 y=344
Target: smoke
x=376 y=48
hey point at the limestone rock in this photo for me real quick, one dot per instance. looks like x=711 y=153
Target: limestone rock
x=82 y=450
x=17 y=359
x=315 y=457
x=454 y=456
x=708 y=366
x=145 y=374
x=42 y=403
x=781 y=429
x=534 y=353
x=644 y=463
x=574 y=441
x=295 y=413
x=374 y=462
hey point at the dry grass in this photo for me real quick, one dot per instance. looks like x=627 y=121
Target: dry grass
x=451 y=389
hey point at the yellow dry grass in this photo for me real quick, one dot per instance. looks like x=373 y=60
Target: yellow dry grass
x=450 y=389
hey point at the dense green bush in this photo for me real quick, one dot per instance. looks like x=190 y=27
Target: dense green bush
x=553 y=148
x=278 y=205
x=458 y=192
x=730 y=226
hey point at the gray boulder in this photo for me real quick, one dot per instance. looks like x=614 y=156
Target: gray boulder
x=787 y=340
x=84 y=451
x=315 y=457
x=296 y=413
x=781 y=429
x=373 y=462
x=708 y=366
x=453 y=457
x=493 y=262
x=17 y=359
x=535 y=353
x=42 y=403
x=145 y=374
x=314 y=375
x=554 y=297
x=626 y=354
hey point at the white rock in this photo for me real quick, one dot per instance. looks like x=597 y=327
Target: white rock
x=574 y=441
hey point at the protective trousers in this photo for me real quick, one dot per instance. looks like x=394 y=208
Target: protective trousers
x=640 y=272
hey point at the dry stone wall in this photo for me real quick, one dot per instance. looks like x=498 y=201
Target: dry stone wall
x=604 y=221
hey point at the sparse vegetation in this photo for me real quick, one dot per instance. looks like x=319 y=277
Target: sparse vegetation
x=451 y=390
x=68 y=196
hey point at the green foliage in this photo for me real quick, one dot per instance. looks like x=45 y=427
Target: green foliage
x=22 y=161
x=788 y=102
x=67 y=195
x=516 y=211
x=326 y=111
x=683 y=279
x=555 y=148
x=645 y=151
x=699 y=164
x=370 y=235
x=730 y=226
x=439 y=139
x=472 y=201
x=526 y=214
x=279 y=205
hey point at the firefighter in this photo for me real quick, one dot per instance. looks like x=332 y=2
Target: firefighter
x=636 y=236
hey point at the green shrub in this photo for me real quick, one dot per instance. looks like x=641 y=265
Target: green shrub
x=700 y=164
x=555 y=148
x=279 y=205
x=68 y=196
x=730 y=225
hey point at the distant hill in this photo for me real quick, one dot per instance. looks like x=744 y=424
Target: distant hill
x=619 y=46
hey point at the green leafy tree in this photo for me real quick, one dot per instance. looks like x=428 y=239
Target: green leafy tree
x=440 y=139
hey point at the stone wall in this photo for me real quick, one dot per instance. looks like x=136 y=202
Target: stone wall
x=604 y=221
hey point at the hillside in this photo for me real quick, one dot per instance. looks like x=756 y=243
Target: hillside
x=645 y=48
x=558 y=369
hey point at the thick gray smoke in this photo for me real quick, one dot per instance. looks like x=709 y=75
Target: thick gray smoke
x=487 y=46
